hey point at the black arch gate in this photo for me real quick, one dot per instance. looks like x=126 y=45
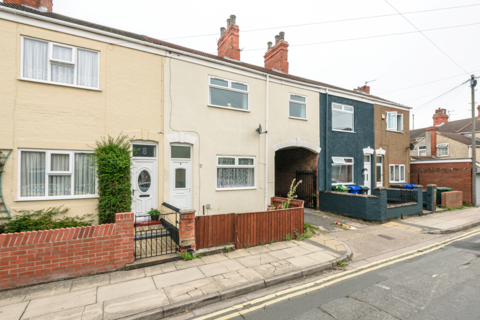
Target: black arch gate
x=307 y=190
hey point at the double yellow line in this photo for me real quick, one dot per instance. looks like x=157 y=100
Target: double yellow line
x=239 y=310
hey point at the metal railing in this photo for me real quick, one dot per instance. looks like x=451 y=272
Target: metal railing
x=400 y=196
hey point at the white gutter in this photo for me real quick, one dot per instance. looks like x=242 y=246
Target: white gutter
x=266 y=144
x=148 y=44
x=442 y=161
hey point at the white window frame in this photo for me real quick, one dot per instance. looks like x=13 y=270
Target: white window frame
x=340 y=163
x=298 y=102
x=236 y=166
x=60 y=62
x=229 y=88
x=395 y=166
x=396 y=122
x=48 y=173
x=344 y=111
x=443 y=146
x=422 y=148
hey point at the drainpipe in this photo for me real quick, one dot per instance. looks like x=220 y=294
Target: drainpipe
x=266 y=145
x=326 y=139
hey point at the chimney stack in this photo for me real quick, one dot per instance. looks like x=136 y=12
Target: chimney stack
x=440 y=117
x=276 y=57
x=228 y=44
x=431 y=134
x=365 y=89
x=42 y=5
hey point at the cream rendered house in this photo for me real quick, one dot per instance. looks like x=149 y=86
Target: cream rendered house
x=64 y=85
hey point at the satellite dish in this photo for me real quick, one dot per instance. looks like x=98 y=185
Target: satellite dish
x=259 y=129
x=412 y=146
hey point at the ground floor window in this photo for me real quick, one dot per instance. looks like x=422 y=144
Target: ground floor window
x=56 y=173
x=235 y=172
x=342 y=170
x=397 y=173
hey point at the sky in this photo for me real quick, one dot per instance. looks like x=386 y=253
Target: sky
x=411 y=67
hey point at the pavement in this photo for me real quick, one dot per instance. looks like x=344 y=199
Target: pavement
x=161 y=290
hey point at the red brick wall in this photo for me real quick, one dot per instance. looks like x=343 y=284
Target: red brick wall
x=277 y=57
x=33 y=3
x=40 y=256
x=456 y=175
x=452 y=199
x=229 y=43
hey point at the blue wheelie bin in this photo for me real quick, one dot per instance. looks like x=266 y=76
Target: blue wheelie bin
x=354 y=189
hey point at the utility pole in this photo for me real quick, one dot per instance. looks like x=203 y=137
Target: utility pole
x=473 y=83
x=413 y=121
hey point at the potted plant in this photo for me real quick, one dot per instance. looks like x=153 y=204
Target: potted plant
x=154 y=214
x=291 y=194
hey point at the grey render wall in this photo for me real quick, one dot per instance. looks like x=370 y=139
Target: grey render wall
x=345 y=144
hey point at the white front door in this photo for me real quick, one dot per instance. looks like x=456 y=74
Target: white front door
x=379 y=171
x=181 y=177
x=366 y=172
x=144 y=179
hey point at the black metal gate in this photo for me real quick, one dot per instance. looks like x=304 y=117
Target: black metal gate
x=307 y=190
x=156 y=235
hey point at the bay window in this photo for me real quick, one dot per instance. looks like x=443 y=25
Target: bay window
x=397 y=173
x=342 y=170
x=394 y=121
x=227 y=94
x=58 y=63
x=55 y=174
x=235 y=173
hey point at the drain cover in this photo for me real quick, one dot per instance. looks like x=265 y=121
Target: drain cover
x=385 y=237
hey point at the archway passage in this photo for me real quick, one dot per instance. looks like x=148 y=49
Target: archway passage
x=299 y=164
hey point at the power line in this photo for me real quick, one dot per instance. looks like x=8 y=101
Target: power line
x=326 y=22
x=426 y=37
x=443 y=94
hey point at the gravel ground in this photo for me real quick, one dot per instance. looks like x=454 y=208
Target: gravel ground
x=326 y=221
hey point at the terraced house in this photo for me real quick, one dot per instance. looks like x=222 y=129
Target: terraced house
x=215 y=134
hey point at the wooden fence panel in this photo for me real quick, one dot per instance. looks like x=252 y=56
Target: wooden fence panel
x=214 y=230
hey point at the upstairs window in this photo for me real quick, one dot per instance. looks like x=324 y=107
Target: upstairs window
x=60 y=64
x=342 y=117
x=442 y=150
x=342 y=170
x=297 y=106
x=228 y=94
x=394 y=121
x=422 y=151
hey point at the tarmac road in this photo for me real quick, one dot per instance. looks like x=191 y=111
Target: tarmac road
x=438 y=284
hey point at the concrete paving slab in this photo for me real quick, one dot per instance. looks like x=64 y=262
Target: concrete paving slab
x=160 y=268
x=312 y=248
x=297 y=251
x=257 y=260
x=122 y=289
x=182 y=264
x=231 y=280
x=250 y=274
x=93 y=312
x=257 y=250
x=90 y=282
x=213 y=269
x=122 y=276
x=237 y=254
x=134 y=304
x=321 y=257
x=71 y=314
x=12 y=296
x=13 y=311
x=281 y=254
x=62 y=302
x=177 y=277
x=214 y=258
x=49 y=289
x=302 y=261
x=276 y=246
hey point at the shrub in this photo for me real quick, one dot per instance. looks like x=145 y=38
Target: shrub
x=44 y=220
x=113 y=162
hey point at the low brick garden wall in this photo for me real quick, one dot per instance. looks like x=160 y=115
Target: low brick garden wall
x=452 y=199
x=41 y=256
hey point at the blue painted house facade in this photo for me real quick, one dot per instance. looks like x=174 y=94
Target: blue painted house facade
x=347 y=140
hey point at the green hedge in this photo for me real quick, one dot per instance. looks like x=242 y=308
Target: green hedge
x=113 y=162
x=44 y=220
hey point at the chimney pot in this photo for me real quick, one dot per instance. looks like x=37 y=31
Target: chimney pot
x=228 y=44
x=269 y=43
x=277 y=39
x=222 y=31
x=282 y=35
x=440 y=117
x=228 y=23
x=233 y=19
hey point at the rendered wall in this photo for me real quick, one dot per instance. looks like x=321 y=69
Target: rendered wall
x=48 y=116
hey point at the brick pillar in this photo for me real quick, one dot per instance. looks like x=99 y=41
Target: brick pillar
x=187 y=231
x=381 y=193
x=124 y=229
x=432 y=197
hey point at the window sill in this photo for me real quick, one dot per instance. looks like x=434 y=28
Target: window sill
x=344 y=184
x=59 y=84
x=394 y=131
x=343 y=131
x=235 y=189
x=57 y=198
x=295 y=118
x=394 y=182
x=234 y=109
